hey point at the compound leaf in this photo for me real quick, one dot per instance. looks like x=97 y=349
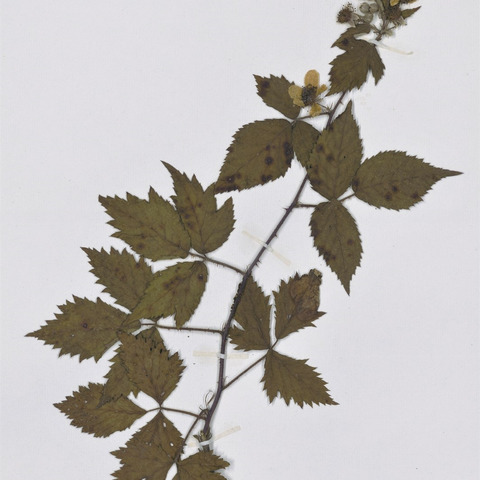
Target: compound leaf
x=208 y=227
x=260 y=152
x=177 y=290
x=274 y=92
x=150 y=453
x=294 y=380
x=152 y=228
x=336 y=156
x=83 y=411
x=304 y=138
x=118 y=384
x=149 y=366
x=396 y=180
x=336 y=237
x=296 y=303
x=253 y=316
x=123 y=277
x=201 y=466
x=83 y=328
x=350 y=69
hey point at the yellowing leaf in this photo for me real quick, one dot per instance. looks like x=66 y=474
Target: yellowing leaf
x=149 y=366
x=177 y=290
x=208 y=227
x=84 y=328
x=350 y=69
x=296 y=303
x=396 y=180
x=152 y=228
x=336 y=156
x=118 y=384
x=83 y=411
x=123 y=277
x=304 y=138
x=253 y=316
x=201 y=466
x=293 y=379
x=274 y=92
x=261 y=152
x=150 y=453
x=336 y=237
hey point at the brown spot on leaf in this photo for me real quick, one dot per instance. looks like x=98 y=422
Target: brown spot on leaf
x=330 y=158
x=345 y=42
x=268 y=160
x=288 y=150
x=350 y=241
x=265 y=178
x=388 y=196
x=319 y=148
x=140 y=246
x=263 y=87
x=230 y=179
x=200 y=277
x=394 y=189
x=85 y=325
x=355 y=184
x=415 y=195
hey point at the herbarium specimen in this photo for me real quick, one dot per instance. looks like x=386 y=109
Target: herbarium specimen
x=190 y=226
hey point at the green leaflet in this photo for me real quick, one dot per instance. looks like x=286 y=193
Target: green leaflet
x=350 y=69
x=208 y=227
x=177 y=291
x=201 y=466
x=337 y=239
x=296 y=303
x=118 y=384
x=274 y=92
x=304 y=138
x=293 y=379
x=260 y=152
x=150 y=453
x=123 y=277
x=83 y=328
x=151 y=227
x=253 y=317
x=336 y=156
x=396 y=180
x=149 y=366
x=83 y=411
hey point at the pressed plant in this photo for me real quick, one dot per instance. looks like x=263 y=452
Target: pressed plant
x=191 y=225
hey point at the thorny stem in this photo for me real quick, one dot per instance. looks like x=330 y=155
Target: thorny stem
x=236 y=301
x=240 y=291
x=218 y=262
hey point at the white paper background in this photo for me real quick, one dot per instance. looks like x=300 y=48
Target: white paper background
x=96 y=93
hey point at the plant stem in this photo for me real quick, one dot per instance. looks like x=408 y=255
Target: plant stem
x=190 y=329
x=221 y=385
x=236 y=301
x=185 y=412
x=243 y=372
x=218 y=262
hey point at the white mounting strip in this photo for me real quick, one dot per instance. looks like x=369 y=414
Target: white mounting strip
x=193 y=442
x=383 y=45
x=268 y=247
